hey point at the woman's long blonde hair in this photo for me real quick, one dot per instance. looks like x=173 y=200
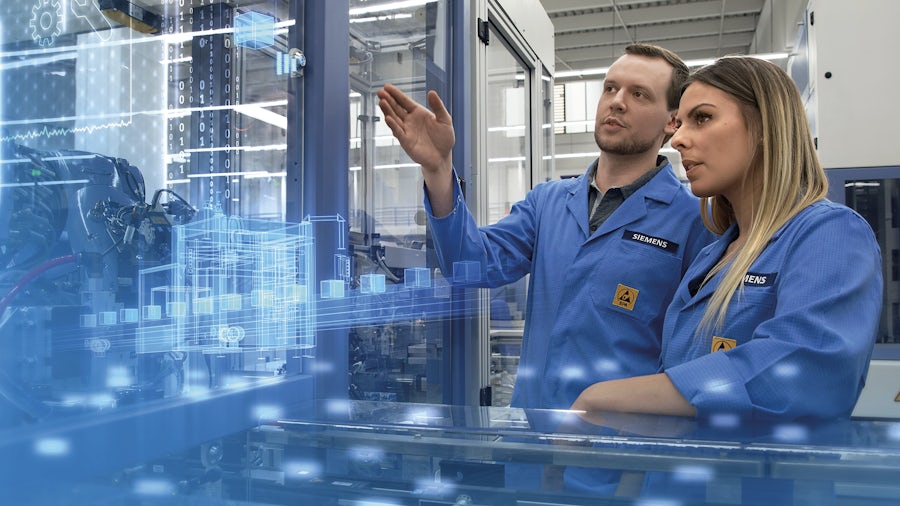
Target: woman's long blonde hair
x=785 y=173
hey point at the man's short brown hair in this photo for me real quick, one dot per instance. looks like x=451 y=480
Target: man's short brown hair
x=680 y=71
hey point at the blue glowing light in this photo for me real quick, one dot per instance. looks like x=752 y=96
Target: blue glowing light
x=254 y=30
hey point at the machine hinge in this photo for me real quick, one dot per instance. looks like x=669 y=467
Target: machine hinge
x=486 y=397
x=484 y=31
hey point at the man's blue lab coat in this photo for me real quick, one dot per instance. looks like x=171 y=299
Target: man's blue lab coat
x=595 y=302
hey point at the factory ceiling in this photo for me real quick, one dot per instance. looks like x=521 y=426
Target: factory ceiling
x=593 y=33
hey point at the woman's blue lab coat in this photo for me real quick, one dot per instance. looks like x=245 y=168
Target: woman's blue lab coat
x=796 y=341
x=595 y=302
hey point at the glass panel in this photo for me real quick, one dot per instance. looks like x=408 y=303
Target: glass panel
x=547 y=137
x=226 y=102
x=378 y=453
x=509 y=169
x=508 y=128
x=143 y=256
x=408 y=46
x=878 y=201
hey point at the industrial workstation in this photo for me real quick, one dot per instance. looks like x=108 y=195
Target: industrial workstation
x=449 y=252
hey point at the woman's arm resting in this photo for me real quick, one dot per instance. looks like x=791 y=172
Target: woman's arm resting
x=652 y=394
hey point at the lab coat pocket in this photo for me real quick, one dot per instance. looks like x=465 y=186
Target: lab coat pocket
x=641 y=286
x=748 y=309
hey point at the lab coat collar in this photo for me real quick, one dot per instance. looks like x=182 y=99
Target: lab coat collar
x=709 y=256
x=578 y=198
x=662 y=188
x=703 y=264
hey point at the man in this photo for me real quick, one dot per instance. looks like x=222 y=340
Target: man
x=605 y=250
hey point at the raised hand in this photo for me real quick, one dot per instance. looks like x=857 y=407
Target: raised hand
x=427 y=137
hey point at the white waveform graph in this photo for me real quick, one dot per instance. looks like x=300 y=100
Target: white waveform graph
x=49 y=132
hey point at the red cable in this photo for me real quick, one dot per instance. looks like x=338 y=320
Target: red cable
x=30 y=275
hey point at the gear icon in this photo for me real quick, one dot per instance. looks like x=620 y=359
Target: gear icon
x=46 y=22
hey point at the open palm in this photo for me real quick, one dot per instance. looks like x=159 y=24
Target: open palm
x=427 y=137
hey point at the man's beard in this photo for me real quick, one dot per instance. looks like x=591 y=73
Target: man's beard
x=625 y=146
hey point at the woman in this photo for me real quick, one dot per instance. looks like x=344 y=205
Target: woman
x=778 y=318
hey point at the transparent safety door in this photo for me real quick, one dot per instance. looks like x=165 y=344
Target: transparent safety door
x=515 y=153
x=509 y=153
x=397 y=358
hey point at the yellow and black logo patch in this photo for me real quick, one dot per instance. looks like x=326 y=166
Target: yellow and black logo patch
x=897 y=399
x=625 y=297
x=722 y=344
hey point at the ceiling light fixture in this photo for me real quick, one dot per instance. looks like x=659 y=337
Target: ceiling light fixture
x=390 y=6
x=389 y=17
x=601 y=71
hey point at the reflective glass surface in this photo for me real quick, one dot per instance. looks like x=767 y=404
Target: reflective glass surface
x=152 y=295
x=399 y=454
x=508 y=128
x=358 y=452
x=143 y=252
x=878 y=201
x=407 y=45
x=509 y=154
x=547 y=136
x=145 y=263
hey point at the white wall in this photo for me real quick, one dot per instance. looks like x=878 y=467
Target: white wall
x=855 y=111
x=776 y=30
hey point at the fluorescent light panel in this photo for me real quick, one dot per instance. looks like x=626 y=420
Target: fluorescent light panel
x=690 y=63
x=389 y=17
x=390 y=6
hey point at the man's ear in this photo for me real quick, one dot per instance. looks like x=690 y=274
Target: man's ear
x=670 y=126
